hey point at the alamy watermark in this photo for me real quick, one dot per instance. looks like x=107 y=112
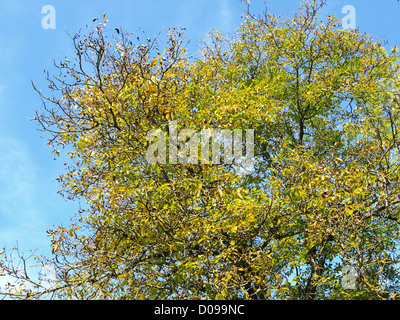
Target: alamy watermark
x=349 y=277
x=49 y=20
x=189 y=141
x=349 y=21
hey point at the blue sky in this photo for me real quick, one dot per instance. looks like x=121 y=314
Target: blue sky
x=29 y=203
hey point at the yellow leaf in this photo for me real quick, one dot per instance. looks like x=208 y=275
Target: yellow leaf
x=154 y=62
x=56 y=247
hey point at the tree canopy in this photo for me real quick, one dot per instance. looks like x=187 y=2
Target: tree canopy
x=324 y=192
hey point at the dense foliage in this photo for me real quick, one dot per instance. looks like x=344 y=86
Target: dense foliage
x=324 y=192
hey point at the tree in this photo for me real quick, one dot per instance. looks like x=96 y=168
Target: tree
x=324 y=193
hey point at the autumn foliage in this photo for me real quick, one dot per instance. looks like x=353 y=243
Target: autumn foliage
x=324 y=193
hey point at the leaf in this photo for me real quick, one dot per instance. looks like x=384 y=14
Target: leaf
x=56 y=247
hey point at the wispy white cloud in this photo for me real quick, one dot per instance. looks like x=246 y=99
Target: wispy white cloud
x=226 y=14
x=20 y=211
